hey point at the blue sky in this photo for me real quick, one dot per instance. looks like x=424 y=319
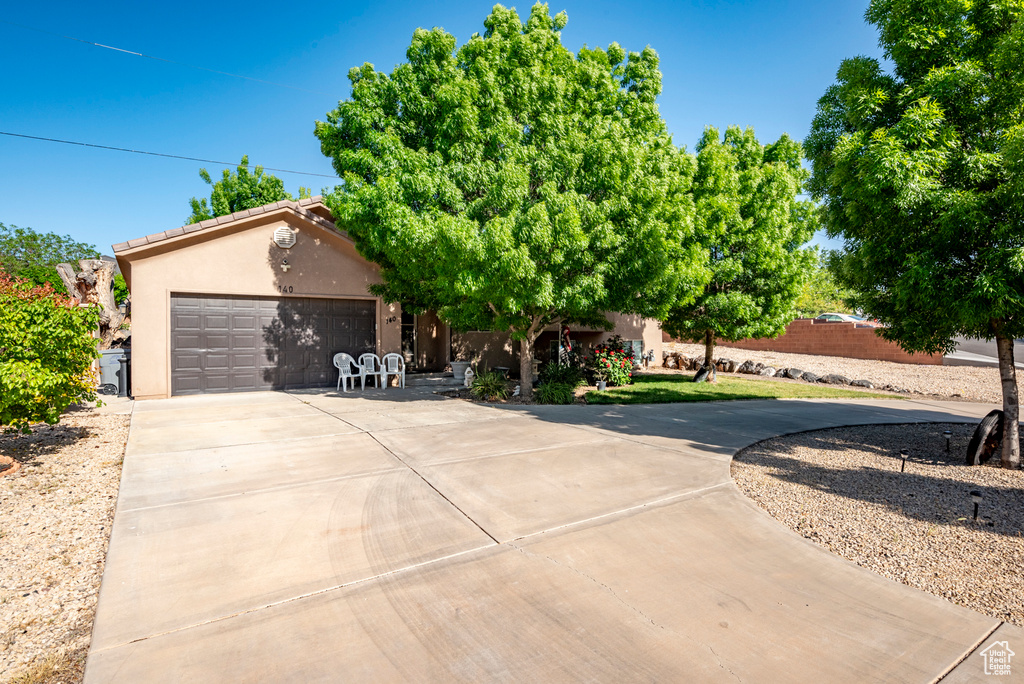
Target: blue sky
x=760 y=64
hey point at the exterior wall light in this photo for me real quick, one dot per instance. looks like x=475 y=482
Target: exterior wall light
x=284 y=265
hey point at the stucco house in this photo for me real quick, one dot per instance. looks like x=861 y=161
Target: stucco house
x=264 y=298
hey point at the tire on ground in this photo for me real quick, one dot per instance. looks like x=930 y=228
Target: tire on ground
x=987 y=439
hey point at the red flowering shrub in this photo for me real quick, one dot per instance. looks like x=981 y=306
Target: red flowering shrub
x=46 y=353
x=612 y=362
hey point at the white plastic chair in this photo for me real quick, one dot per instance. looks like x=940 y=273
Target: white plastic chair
x=344 y=363
x=393 y=364
x=370 y=363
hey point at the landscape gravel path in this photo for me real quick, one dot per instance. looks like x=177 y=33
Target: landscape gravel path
x=56 y=512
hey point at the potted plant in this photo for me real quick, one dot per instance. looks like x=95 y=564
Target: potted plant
x=459 y=367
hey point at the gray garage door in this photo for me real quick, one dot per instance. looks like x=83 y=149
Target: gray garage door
x=239 y=344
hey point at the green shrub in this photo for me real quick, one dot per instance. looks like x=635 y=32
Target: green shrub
x=489 y=385
x=552 y=373
x=46 y=353
x=556 y=393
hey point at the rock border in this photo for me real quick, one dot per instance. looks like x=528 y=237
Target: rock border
x=680 y=361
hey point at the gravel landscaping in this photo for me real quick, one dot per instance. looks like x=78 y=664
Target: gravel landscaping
x=842 y=488
x=56 y=510
x=956 y=382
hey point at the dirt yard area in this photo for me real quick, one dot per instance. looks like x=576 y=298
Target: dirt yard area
x=56 y=509
x=956 y=382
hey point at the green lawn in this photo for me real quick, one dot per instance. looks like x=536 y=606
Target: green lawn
x=663 y=389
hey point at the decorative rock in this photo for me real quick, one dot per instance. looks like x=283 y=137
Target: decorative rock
x=702 y=375
x=768 y=371
x=725 y=365
x=671 y=361
x=836 y=379
x=810 y=377
x=864 y=383
x=794 y=373
x=746 y=367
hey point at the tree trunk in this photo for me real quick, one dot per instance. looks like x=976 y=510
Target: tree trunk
x=709 y=354
x=526 y=368
x=1011 y=408
x=95 y=285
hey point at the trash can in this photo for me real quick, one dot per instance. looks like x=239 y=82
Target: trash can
x=110 y=369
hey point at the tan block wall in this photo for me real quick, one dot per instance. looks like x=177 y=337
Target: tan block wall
x=824 y=338
x=241 y=261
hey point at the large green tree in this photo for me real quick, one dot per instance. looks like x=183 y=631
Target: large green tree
x=33 y=256
x=753 y=229
x=239 y=190
x=921 y=170
x=511 y=184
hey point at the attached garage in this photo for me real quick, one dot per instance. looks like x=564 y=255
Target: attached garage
x=238 y=344
x=258 y=300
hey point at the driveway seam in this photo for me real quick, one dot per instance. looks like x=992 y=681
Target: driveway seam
x=507 y=544
x=263 y=490
x=419 y=475
x=242 y=444
x=292 y=599
x=431 y=485
x=681 y=496
x=949 y=670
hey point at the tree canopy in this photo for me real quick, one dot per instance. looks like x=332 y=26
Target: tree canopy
x=921 y=171
x=239 y=190
x=511 y=184
x=821 y=292
x=753 y=230
x=33 y=256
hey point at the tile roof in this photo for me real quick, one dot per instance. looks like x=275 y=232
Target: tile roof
x=300 y=207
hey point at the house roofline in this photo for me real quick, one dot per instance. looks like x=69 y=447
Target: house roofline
x=302 y=208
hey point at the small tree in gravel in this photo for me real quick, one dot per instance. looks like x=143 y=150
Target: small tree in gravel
x=46 y=353
x=752 y=228
x=921 y=171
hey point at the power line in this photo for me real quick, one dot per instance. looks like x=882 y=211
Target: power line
x=161 y=59
x=159 y=154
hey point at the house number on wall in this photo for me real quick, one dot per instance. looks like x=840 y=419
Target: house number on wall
x=285 y=289
x=391 y=319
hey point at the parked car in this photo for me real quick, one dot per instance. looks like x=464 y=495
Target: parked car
x=839 y=317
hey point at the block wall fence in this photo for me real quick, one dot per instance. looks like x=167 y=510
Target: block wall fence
x=825 y=338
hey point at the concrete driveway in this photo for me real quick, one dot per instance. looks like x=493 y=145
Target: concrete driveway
x=399 y=536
